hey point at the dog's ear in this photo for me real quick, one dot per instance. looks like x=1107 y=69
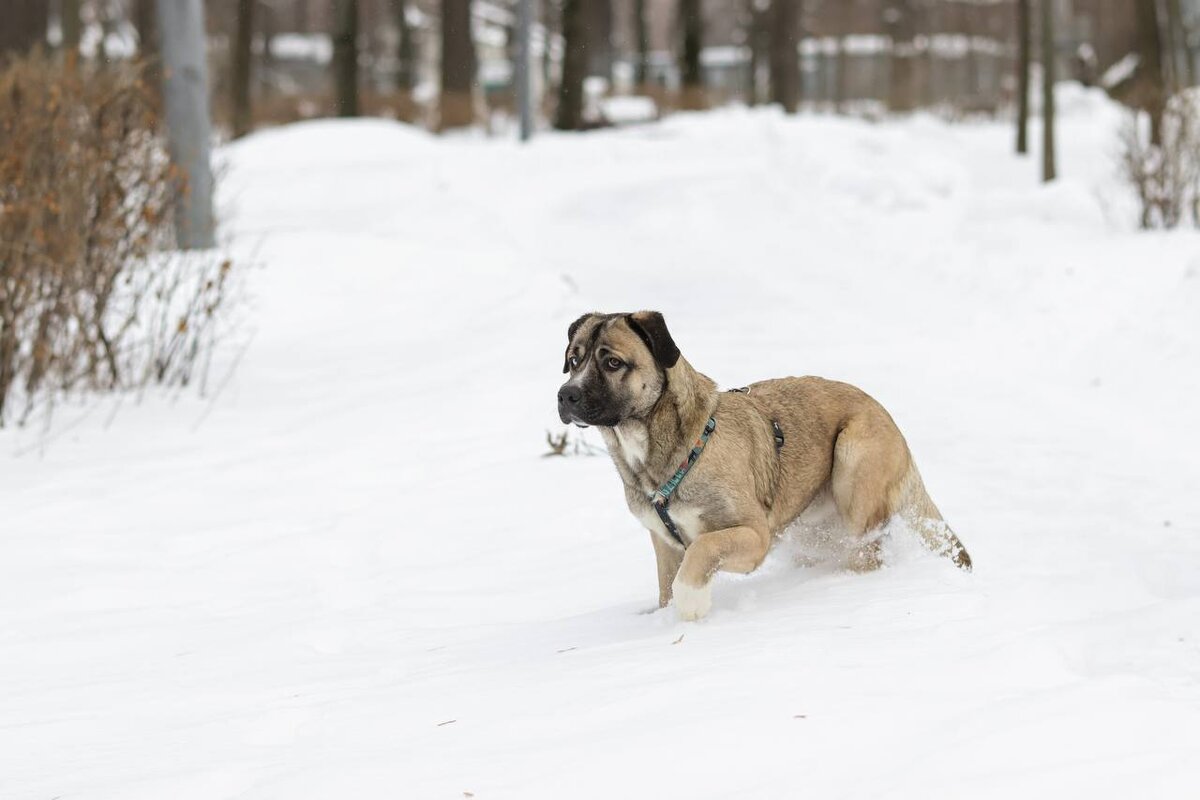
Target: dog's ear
x=575 y=325
x=571 y=337
x=652 y=329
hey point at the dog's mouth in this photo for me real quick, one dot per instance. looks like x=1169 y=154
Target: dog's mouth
x=586 y=420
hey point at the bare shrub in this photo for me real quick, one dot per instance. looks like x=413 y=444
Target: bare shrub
x=90 y=296
x=564 y=444
x=1165 y=177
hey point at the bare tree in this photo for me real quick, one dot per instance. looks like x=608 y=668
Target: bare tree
x=70 y=26
x=691 y=14
x=24 y=25
x=840 y=64
x=1153 y=88
x=268 y=26
x=345 y=57
x=899 y=21
x=406 y=51
x=242 y=66
x=145 y=21
x=758 y=40
x=189 y=129
x=1049 y=172
x=785 y=56
x=569 y=114
x=456 y=107
x=599 y=26
x=1169 y=18
x=1024 y=33
x=642 y=34
x=1184 y=31
x=552 y=26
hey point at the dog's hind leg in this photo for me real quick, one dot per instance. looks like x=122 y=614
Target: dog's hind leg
x=870 y=460
x=874 y=479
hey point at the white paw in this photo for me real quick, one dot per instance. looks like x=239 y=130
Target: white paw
x=692 y=602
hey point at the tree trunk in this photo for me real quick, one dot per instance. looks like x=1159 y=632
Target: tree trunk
x=345 y=57
x=269 y=26
x=642 y=34
x=599 y=26
x=691 y=14
x=840 y=65
x=569 y=114
x=24 y=25
x=785 y=57
x=456 y=106
x=971 y=97
x=70 y=26
x=1024 y=32
x=552 y=28
x=1171 y=32
x=760 y=23
x=406 y=51
x=189 y=130
x=145 y=20
x=242 y=65
x=1152 y=83
x=1049 y=171
x=523 y=73
x=1185 y=40
x=899 y=22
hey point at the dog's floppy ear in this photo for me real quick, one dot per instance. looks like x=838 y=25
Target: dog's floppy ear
x=571 y=337
x=652 y=329
x=575 y=325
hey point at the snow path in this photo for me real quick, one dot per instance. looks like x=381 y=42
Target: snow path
x=351 y=574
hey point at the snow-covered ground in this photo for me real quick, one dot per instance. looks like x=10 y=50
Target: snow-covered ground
x=349 y=571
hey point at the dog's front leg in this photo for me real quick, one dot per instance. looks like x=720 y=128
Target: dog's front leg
x=669 y=558
x=739 y=549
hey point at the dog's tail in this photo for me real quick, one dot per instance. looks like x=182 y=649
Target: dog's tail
x=919 y=511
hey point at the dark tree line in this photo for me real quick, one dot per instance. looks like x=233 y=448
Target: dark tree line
x=775 y=33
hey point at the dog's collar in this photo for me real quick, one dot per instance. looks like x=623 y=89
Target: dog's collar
x=662 y=496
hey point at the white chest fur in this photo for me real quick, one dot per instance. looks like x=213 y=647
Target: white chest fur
x=686 y=518
x=635 y=444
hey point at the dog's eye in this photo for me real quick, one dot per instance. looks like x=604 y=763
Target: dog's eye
x=573 y=361
x=613 y=364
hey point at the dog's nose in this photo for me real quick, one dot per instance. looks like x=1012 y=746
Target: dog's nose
x=568 y=395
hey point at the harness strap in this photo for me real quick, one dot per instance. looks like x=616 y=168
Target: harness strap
x=669 y=523
x=661 y=498
x=778 y=431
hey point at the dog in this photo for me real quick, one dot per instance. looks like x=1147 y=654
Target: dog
x=717 y=476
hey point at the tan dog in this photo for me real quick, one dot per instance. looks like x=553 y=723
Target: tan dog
x=779 y=448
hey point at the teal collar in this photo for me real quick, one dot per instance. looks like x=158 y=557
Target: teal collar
x=662 y=497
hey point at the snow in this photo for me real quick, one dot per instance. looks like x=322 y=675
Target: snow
x=118 y=43
x=315 y=47
x=348 y=571
x=724 y=55
x=626 y=109
x=1120 y=72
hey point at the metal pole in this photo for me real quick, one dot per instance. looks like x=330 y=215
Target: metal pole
x=189 y=132
x=524 y=74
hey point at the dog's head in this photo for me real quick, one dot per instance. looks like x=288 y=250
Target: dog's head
x=618 y=365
